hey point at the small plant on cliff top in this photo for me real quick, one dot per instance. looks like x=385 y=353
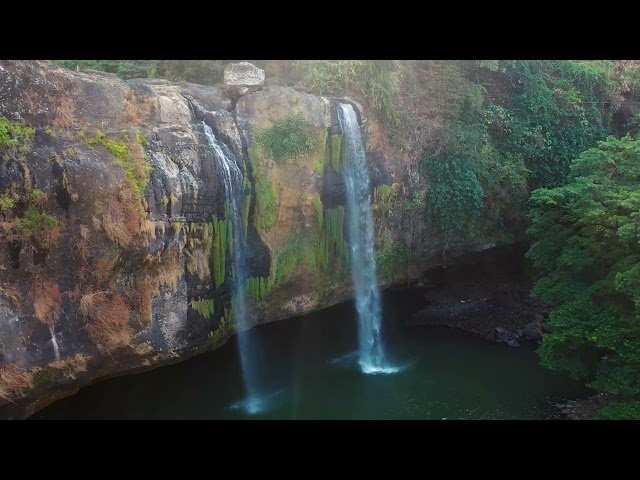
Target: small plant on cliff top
x=288 y=138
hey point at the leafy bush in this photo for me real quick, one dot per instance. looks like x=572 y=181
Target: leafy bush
x=456 y=195
x=391 y=258
x=288 y=138
x=620 y=411
x=552 y=111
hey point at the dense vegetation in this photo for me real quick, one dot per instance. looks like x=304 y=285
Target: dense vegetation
x=586 y=242
x=287 y=139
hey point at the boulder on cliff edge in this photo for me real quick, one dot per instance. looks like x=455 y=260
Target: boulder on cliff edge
x=243 y=74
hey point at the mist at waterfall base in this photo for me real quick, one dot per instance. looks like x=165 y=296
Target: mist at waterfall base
x=308 y=366
x=362 y=246
x=233 y=181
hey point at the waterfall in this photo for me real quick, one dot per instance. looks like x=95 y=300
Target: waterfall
x=363 y=252
x=54 y=341
x=233 y=180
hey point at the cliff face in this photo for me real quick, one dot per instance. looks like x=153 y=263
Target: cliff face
x=112 y=222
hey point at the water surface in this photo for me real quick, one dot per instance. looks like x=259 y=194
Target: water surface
x=310 y=368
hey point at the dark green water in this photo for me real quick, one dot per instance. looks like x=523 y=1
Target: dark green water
x=308 y=374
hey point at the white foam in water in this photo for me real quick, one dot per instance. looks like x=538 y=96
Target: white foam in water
x=379 y=370
x=255 y=405
x=352 y=358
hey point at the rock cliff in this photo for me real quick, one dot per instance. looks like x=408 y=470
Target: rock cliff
x=112 y=221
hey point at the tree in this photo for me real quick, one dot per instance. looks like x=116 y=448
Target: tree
x=586 y=245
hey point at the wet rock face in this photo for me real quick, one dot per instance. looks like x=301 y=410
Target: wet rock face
x=256 y=110
x=86 y=191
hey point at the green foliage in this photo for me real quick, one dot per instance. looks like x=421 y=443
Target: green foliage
x=383 y=200
x=174 y=158
x=125 y=69
x=336 y=152
x=372 y=80
x=471 y=179
x=258 y=287
x=288 y=138
x=456 y=195
x=391 y=258
x=141 y=139
x=220 y=234
x=36 y=225
x=34 y=221
x=322 y=153
x=266 y=203
x=136 y=169
x=317 y=207
x=204 y=307
x=586 y=244
x=331 y=242
x=620 y=411
x=245 y=213
x=7 y=203
x=289 y=258
x=264 y=215
x=554 y=110
x=383 y=192
x=15 y=139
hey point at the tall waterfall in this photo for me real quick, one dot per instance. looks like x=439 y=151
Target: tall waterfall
x=363 y=253
x=232 y=178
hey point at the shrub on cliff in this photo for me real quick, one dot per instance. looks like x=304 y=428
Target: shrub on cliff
x=288 y=138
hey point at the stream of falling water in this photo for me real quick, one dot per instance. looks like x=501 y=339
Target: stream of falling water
x=233 y=179
x=362 y=242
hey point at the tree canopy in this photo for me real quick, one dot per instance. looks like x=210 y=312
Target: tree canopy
x=586 y=244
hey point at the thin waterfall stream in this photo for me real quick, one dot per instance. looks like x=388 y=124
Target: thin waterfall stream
x=363 y=251
x=233 y=180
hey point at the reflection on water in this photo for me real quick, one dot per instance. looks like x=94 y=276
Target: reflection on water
x=310 y=367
